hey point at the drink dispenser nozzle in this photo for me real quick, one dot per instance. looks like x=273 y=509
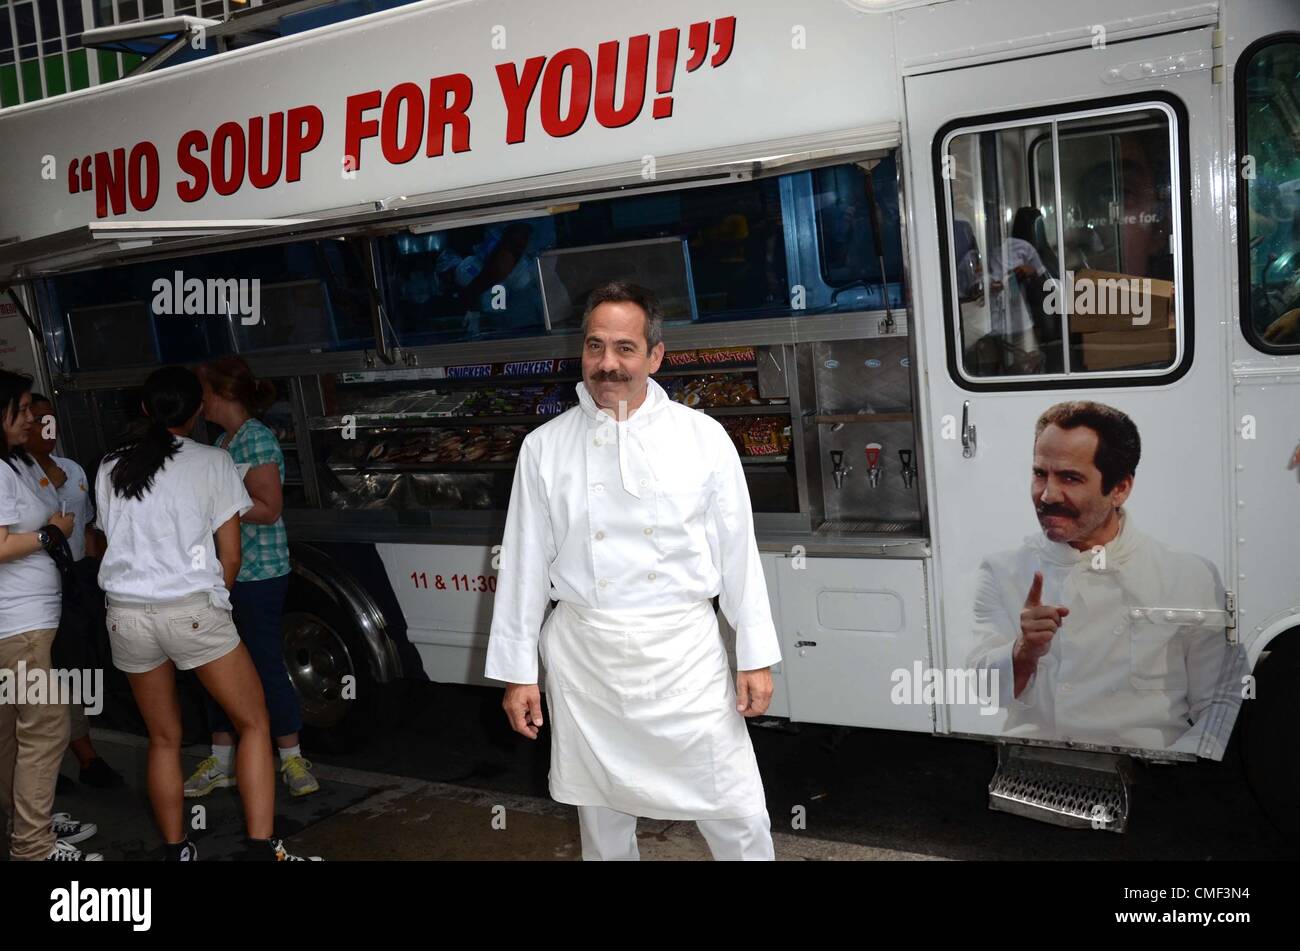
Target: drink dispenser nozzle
x=909 y=471
x=838 y=469
x=873 y=463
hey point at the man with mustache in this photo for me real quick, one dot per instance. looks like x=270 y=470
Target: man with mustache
x=632 y=512
x=1055 y=617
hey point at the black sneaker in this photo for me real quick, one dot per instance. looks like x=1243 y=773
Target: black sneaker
x=283 y=855
x=100 y=775
x=188 y=852
x=63 y=852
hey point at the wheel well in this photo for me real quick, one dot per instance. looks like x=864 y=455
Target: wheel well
x=319 y=571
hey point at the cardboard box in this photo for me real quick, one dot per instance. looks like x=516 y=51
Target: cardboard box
x=1108 y=302
x=1124 y=349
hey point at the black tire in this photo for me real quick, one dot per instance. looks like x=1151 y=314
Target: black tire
x=323 y=646
x=1269 y=722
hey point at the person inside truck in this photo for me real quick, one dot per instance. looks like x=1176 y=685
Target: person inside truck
x=1065 y=621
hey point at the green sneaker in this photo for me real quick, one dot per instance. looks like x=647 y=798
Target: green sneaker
x=207 y=777
x=298 y=777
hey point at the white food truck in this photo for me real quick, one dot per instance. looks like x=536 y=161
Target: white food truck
x=889 y=236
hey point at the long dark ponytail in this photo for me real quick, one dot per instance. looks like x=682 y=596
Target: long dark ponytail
x=171 y=396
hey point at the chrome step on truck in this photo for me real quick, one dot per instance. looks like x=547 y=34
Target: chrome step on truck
x=1071 y=788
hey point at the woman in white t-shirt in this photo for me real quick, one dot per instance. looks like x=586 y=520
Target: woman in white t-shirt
x=33 y=734
x=170 y=509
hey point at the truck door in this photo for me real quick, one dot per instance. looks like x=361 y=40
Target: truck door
x=1069 y=247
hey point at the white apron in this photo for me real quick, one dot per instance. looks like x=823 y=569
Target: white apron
x=643 y=714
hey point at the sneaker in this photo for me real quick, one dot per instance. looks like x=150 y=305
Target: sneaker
x=283 y=855
x=69 y=830
x=100 y=775
x=188 y=853
x=207 y=777
x=63 y=852
x=298 y=777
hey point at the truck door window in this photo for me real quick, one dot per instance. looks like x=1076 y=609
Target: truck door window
x=1268 y=209
x=1063 y=241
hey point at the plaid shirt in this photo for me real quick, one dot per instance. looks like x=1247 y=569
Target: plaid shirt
x=265 y=548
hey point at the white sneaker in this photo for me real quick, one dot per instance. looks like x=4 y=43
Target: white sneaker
x=69 y=830
x=63 y=852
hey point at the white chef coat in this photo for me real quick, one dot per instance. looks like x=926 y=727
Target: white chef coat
x=160 y=548
x=30 y=588
x=76 y=493
x=633 y=526
x=575 y=533
x=1110 y=678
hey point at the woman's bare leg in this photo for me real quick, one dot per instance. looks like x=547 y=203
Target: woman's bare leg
x=155 y=695
x=232 y=681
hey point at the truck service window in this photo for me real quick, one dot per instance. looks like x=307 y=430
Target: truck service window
x=1063 y=246
x=1268 y=207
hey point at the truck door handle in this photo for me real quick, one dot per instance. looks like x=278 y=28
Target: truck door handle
x=805 y=643
x=967 y=432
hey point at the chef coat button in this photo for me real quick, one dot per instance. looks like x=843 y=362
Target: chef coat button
x=598 y=441
x=598 y=487
x=652 y=576
x=599 y=536
x=644 y=483
x=603 y=583
x=1065 y=688
x=1118 y=630
x=648 y=531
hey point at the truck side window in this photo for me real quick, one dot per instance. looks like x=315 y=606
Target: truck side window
x=1063 y=242
x=1268 y=209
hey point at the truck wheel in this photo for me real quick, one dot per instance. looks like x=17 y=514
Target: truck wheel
x=329 y=665
x=1268 y=735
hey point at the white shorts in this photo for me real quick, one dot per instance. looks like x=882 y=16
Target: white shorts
x=189 y=632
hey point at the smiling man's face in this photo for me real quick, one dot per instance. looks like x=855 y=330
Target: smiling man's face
x=616 y=363
x=1066 y=489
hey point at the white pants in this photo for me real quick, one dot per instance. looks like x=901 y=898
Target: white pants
x=609 y=835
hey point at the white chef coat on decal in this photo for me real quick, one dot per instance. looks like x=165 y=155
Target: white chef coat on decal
x=633 y=526
x=1110 y=678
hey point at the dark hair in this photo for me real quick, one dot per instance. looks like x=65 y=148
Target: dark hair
x=12 y=388
x=171 y=396
x=1119 y=447
x=231 y=377
x=625 y=292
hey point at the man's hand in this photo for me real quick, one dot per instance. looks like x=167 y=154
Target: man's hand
x=753 y=691
x=1038 y=624
x=523 y=707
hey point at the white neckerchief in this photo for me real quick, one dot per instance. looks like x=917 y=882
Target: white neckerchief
x=626 y=429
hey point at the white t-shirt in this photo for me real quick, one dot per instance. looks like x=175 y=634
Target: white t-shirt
x=1010 y=312
x=30 y=589
x=76 y=493
x=160 y=548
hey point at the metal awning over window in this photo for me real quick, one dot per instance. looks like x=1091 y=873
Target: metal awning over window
x=106 y=244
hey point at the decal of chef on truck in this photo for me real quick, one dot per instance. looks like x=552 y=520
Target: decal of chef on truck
x=1098 y=632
